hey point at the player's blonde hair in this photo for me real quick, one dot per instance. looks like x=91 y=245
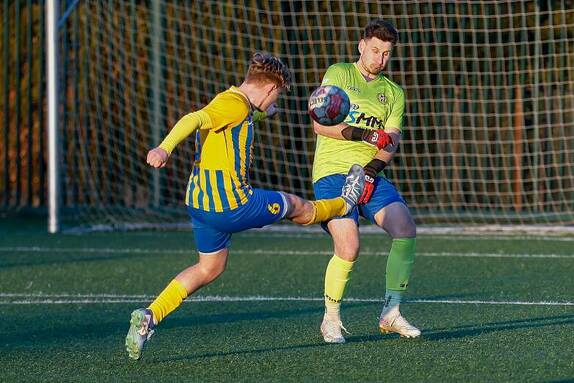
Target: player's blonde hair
x=264 y=67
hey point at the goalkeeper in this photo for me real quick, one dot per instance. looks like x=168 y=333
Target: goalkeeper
x=219 y=197
x=370 y=136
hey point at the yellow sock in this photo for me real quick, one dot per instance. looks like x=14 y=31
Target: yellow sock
x=336 y=278
x=325 y=209
x=169 y=299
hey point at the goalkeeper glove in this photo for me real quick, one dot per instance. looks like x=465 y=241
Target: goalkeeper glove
x=371 y=170
x=377 y=137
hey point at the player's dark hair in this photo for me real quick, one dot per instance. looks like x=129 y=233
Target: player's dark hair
x=383 y=30
x=266 y=67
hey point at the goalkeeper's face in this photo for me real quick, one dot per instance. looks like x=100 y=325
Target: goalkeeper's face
x=375 y=54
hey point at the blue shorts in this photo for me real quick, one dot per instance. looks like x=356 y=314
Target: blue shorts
x=212 y=230
x=384 y=194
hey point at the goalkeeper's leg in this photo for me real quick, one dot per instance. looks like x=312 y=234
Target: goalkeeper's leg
x=396 y=220
x=345 y=234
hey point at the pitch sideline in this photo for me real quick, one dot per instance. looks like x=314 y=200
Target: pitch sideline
x=38 y=249
x=38 y=299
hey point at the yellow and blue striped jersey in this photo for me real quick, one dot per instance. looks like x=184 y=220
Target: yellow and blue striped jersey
x=220 y=177
x=219 y=180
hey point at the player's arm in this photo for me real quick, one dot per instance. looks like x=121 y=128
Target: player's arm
x=157 y=157
x=223 y=111
x=378 y=163
x=384 y=156
x=376 y=137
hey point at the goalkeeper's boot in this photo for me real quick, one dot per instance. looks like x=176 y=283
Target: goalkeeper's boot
x=331 y=330
x=353 y=187
x=395 y=322
x=140 y=331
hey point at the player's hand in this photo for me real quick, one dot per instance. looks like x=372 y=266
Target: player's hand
x=157 y=157
x=378 y=138
x=272 y=110
x=370 y=177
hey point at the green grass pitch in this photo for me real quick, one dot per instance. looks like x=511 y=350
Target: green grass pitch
x=491 y=309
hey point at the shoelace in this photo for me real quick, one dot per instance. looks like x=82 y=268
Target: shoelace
x=336 y=326
x=145 y=330
x=349 y=188
x=344 y=329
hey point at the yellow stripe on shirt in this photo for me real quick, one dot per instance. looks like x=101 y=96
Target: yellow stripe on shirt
x=203 y=186
x=215 y=189
x=195 y=193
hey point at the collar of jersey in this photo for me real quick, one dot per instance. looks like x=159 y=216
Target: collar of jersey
x=235 y=89
x=378 y=78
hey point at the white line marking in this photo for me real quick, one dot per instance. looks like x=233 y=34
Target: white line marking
x=420 y=236
x=36 y=249
x=493 y=229
x=21 y=299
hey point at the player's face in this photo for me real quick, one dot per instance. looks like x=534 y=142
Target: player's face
x=375 y=54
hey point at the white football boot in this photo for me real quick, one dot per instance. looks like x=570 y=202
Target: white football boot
x=331 y=330
x=394 y=322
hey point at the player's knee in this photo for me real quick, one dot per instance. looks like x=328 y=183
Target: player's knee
x=297 y=207
x=406 y=228
x=347 y=250
x=211 y=271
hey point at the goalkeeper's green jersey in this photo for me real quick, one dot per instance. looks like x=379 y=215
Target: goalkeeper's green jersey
x=375 y=104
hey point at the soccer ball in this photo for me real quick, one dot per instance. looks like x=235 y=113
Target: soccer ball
x=329 y=105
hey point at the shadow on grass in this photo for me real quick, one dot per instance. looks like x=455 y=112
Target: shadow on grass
x=317 y=344
x=233 y=317
x=432 y=335
x=86 y=327
x=482 y=329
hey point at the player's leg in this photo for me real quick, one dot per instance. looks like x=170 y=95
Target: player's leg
x=347 y=195
x=206 y=270
x=143 y=321
x=212 y=246
x=397 y=221
x=345 y=234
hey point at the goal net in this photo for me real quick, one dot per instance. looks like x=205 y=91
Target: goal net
x=489 y=123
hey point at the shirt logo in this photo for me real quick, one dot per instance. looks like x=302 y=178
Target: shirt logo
x=274 y=209
x=382 y=98
x=354 y=106
x=353 y=89
x=355 y=117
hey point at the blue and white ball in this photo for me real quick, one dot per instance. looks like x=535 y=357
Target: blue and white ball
x=329 y=105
